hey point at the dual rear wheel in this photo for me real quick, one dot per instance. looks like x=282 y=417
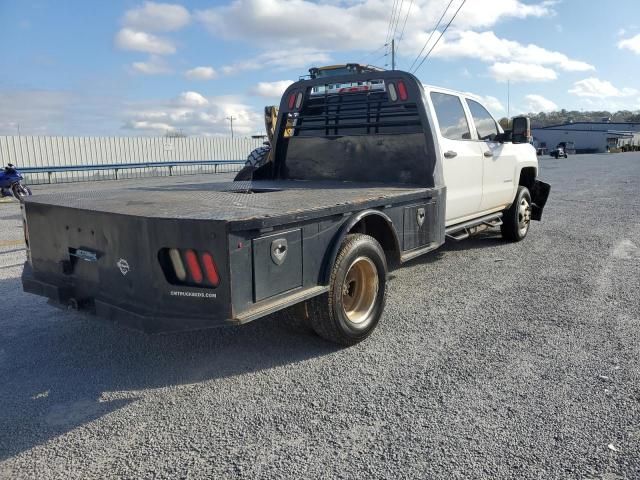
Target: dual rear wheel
x=351 y=309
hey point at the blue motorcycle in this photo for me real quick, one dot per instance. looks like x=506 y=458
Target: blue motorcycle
x=11 y=183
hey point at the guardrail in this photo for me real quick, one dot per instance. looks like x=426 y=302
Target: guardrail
x=116 y=167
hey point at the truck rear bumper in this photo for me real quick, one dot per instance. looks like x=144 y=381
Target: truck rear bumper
x=63 y=296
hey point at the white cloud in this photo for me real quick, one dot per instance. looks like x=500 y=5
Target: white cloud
x=160 y=17
x=154 y=66
x=492 y=103
x=191 y=99
x=538 y=103
x=487 y=46
x=594 y=87
x=128 y=39
x=347 y=25
x=201 y=73
x=58 y=112
x=193 y=114
x=521 y=72
x=632 y=44
x=270 y=89
x=295 y=58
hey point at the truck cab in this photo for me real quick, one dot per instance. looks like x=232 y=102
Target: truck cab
x=481 y=170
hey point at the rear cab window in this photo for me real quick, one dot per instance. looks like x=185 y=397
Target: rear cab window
x=485 y=124
x=451 y=116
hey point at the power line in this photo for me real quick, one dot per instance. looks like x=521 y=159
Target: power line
x=391 y=22
x=373 y=52
x=431 y=34
x=406 y=17
x=443 y=32
x=395 y=29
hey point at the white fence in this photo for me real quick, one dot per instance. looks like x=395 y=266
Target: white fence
x=28 y=151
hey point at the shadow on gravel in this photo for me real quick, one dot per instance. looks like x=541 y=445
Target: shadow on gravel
x=60 y=370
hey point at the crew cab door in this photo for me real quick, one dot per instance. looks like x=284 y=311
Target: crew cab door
x=461 y=158
x=499 y=160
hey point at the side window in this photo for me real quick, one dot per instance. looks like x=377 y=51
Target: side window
x=485 y=124
x=451 y=117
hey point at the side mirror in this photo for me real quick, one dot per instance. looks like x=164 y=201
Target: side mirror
x=520 y=129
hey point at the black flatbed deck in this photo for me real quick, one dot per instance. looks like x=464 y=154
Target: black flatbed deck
x=270 y=204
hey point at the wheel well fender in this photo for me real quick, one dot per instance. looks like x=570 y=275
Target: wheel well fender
x=375 y=223
x=527 y=177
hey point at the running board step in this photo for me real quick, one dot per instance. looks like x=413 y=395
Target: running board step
x=465 y=230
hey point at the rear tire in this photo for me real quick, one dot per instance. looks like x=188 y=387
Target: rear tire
x=517 y=218
x=352 y=308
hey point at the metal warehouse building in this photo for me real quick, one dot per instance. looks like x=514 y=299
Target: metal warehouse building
x=588 y=137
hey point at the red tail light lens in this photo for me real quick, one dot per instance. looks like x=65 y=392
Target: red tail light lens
x=210 y=269
x=189 y=267
x=402 y=90
x=292 y=100
x=193 y=266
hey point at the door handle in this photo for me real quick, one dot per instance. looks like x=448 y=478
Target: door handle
x=450 y=154
x=488 y=153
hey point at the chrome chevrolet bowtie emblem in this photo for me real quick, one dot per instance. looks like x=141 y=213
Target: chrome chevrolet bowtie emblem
x=123 y=265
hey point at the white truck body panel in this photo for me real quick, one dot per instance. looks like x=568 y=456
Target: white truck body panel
x=481 y=176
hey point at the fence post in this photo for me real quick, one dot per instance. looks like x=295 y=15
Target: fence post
x=170 y=170
x=116 y=170
x=49 y=174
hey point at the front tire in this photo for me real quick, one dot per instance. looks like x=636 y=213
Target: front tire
x=245 y=174
x=352 y=308
x=256 y=159
x=517 y=218
x=20 y=191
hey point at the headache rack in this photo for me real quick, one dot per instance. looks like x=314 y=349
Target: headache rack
x=363 y=112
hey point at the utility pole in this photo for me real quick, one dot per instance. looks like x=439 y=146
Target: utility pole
x=508 y=98
x=231 y=119
x=393 y=54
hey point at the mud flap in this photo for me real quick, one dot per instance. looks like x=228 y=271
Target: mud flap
x=539 y=195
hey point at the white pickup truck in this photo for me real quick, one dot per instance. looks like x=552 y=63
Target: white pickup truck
x=483 y=173
x=358 y=180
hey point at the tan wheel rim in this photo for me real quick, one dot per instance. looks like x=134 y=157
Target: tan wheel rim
x=359 y=290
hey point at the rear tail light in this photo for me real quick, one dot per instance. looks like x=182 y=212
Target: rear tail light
x=194 y=266
x=292 y=100
x=402 y=90
x=210 y=269
x=189 y=267
x=178 y=266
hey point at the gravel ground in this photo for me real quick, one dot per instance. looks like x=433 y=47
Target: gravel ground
x=493 y=360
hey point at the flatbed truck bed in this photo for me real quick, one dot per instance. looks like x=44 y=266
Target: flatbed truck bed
x=244 y=205
x=108 y=251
